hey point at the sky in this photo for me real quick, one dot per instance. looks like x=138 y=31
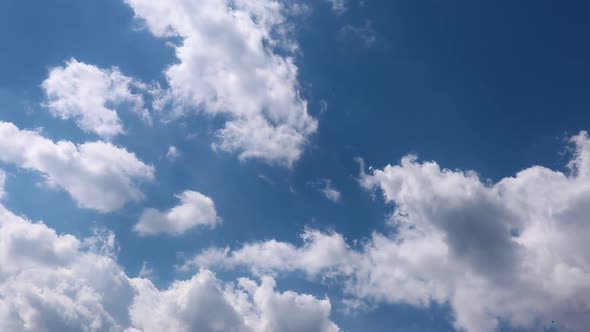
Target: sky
x=294 y=165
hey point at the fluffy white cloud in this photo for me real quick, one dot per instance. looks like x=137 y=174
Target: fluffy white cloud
x=195 y=209
x=203 y=303
x=48 y=282
x=97 y=175
x=52 y=282
x=515 y=251
x=319 y=253
x=86 y=94
x=228 y=66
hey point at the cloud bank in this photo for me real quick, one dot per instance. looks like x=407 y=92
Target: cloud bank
x=52 y=282
x=511 y=252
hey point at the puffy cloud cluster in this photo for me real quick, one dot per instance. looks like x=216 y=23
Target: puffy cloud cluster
x=513 y=252
x=195 y=209
x=86 y=94
x=97 y=175
x=52 y=282
x=48 y=282
x=204 y=304
x=228 y=65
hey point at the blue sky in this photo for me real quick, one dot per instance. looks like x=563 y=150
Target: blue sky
x=284 y=116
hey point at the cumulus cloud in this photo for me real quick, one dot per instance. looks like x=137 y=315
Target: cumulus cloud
x=228 y=65
x=97 y=175
x=195 y=209
x=49 y=283
x=53 y=282
x=203 y=303
x=88 y=94
x=514 y=251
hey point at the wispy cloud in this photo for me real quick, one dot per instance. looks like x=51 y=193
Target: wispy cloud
x=365 y=33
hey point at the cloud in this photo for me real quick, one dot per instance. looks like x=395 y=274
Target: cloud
x=326 y=188
x=338 y=6
x=87 y=94
x=195 y=209
x=203 y=303
x=172 y=153
x=318 y=254
x=364 y=33
x=323 y=106
x=102 y=242
x=52 y=282
x=265 y=179
x=234 y=62
x=514 y=252
x=49 y=283
x=97 y=175
x=329 y=191
x=289 y=311
x=146 y=271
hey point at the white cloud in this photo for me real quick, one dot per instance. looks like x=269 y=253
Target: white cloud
x=172 y=153
x=203 y=303
x=228 y=66
x=52 y=282
x=195 y=209
x=102 y=242
x=338 y=6
x=328 y=190
x=48 y=283
x=288 y=311
x=515 y=251
x=319 y=252
x=86 y=94
x=97 y=175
